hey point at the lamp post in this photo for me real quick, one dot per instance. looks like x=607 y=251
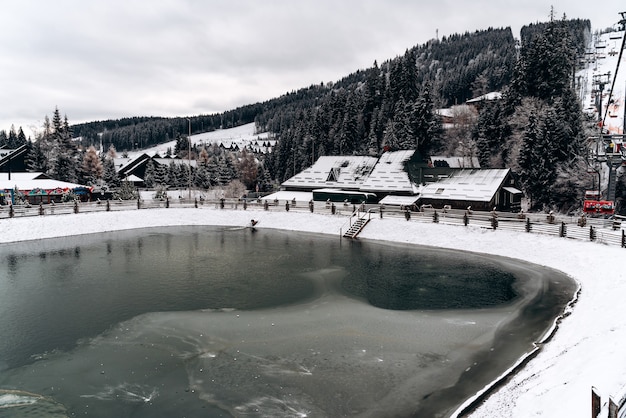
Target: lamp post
x=189 y=156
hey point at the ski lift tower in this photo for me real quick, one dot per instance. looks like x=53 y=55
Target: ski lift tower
x=607 y=148
x=599 y=81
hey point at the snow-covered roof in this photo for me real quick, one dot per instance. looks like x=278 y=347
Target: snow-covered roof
x=389 y=175
x=494 y=95
x=23 y=176
x=399 y=200
x=125 y=164
x=5 y=151
x=285 y=195
x=121 y=162
x=31 y=184
x=134 y=179
x=347 y=172
x=446 y=112
x=478 y=185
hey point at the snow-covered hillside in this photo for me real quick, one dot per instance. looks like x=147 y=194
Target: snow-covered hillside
x=241 y=136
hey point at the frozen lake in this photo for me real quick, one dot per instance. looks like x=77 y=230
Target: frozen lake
x=222 y=322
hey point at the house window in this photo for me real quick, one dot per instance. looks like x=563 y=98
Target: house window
x=333 y=175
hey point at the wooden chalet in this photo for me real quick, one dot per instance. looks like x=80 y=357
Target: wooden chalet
x=404 y=178
x=482 y=189
x=134 y=169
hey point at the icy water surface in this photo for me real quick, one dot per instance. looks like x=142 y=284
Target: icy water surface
x=226 y=322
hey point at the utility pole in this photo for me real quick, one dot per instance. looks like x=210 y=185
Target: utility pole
x=189 y=156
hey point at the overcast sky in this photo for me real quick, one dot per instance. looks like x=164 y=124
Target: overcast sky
x=109 y=59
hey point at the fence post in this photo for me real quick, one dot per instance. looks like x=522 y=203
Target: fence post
x=465 y=219
x=108 y=205
x=75 y=207
x=623 y=239
x=333 y=208
x=407 y=215
x=138 y=202
x=494 y=221
x=222 y=203
x=245 y=204
x=528 y=227
x=311 y=204
x=167 y=202
x=381 y=212
x=613 y=408
x=266 y=205
x=11 y=211
x=592 y=233
x=195 y=203
x=596 y=402
x=287 y=206
x=40 y=209
x=562 y=230
x=435 y=217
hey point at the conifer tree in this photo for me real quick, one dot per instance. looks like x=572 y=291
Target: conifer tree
x=491 y=132
x=426 y=124
x=36 y=160
x=109 y=174
x=161 y=174
x=92 y=168
x=247 y=170
x=21 y=138
x=202 y=178
x=149 y=178
x=537 y=161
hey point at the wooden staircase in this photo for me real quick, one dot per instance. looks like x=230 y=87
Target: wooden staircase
x=356 y=227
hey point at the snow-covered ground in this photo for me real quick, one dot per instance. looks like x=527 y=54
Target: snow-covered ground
x=587 y=350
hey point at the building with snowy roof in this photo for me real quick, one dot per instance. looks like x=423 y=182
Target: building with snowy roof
x=405 y=178
x=337 y=172
x=480 y=100
x=36 y=188
x=389 y=175
x=135 y=168
x=482 y=189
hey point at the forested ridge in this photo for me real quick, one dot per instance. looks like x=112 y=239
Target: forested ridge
x=393 y=105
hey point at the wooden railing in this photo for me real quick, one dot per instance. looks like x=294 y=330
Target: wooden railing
x=601 y=230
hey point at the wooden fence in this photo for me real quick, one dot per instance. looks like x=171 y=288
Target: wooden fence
x=600 y=230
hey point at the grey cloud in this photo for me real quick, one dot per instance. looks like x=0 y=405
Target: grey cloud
x=100 y=60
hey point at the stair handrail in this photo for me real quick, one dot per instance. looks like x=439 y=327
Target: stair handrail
x=361 y=212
